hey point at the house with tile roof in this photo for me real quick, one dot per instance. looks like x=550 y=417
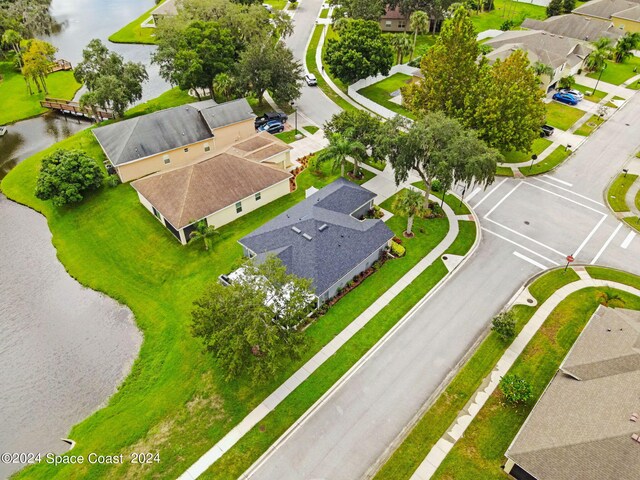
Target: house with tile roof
x=586 y=424
x=324 y=238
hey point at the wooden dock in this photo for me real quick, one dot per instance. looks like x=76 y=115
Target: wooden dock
x=59 y=65
x=74 y=108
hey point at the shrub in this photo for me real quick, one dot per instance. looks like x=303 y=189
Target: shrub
x=397 y=249
x=113 y=180
x=504 y=324
x=65 y=175
x=516 y=390
x=567 y=82
x=507 y=25
x=436 y=185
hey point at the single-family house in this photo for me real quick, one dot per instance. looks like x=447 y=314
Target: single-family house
x=586 y=423
x=576 y=26
x=219 y=189
x=564 y=55
x=168 y=8
x=625 y=14
x=324 y=238
x=393 y=20
x=174 y=137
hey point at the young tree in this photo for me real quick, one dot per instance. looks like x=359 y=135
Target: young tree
x=449 y=68
x=65 y=176
x=38 y=58
x=12 y=39
x=508 y=106
x=360 y=52
x=359 y=126
x=202 y=51
x=504 y=324
x=112 y=82
x=625 y=46
x=205 y=233
x=265 y=66
x=419 y=22
x=409 y=204
x=401 y=43
x=340 y=149
x=567 y=82
x=250 y=326
x=516 y=390
x=224 y=85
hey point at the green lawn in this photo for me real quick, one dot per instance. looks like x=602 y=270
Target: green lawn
x=423 y=43
x=171 y=98
x=589 y=126
x=480 y=452
x=16 y=102
x=260 y=438
x=504 y=10
x=381 y=93
x=324 y=13
x=378 y=165
x=437 y=419
x=459 y=208
x=539 y=146
x=311 y=129
x=549 y=163
x=276 y=4
x=289 y=136
x=504 y=171
x=618 y=73
x=562 y=116
x=618 y=191
x=637 y=200
x=134 y=33
x=633 y=222
x=590 y=94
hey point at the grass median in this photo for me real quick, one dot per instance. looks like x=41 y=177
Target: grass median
x=554 y=159
x=616 y=196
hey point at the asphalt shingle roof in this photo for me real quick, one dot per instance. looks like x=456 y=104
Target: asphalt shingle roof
x=338 y=241
x=227 y=113
x=604 y=8
x=575 y=26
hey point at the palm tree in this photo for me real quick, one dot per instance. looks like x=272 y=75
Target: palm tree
x=622 y=51
x=404 y=46
x=596 y=60
x=610 y=299
x=419 y=23
x=409 y=204
x=340 y=150
x=223 y=85
x=204 y=232
x=542 y=69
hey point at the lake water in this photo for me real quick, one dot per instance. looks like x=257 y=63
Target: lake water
x=64 y=349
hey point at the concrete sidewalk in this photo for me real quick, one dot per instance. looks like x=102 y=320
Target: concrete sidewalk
x=443 y=446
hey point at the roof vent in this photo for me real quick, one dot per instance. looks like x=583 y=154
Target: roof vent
x=307 y=236
x=296 y=229
x=323 y=227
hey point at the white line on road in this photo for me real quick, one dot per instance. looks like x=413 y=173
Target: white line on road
x=628 y=239
x=558 y=180
x=586 y=240
x=521 y=246
x=530 y=260
x=473 y=194
x=489 y=194
x=566 y=198
x=566 y=190
x=526 y=237
x=502 y=200
x=606 y=244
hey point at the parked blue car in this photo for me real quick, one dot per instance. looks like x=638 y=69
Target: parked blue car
x=567 y=98
x=272 y=127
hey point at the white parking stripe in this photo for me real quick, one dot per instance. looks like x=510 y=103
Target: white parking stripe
x=489 y=194
x=566 y=198
x=526 y=237
x=530 y=260
x=473 y=194
x=586 y=240
x=606 y=244
x=520 y=246
x=628 y=239
x=502 y=199
x=537 y=179
x=558 y=180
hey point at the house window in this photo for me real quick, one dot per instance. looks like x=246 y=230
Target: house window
x=258 y=196
x=156 y=213
x=387 y=23
x=186 y=150
x=238 y=207
x=402 y=24
x=207 y=147
x=166 y=159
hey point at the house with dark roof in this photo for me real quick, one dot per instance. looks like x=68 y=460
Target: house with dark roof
x=576 y=26
x=218 y=189
x=174 y=137
x=324 y=238
x=625 y=14
x=393 y=20
x=586 y=424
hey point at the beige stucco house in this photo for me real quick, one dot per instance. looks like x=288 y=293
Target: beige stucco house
x=394 y=21
x=174 y=137
x=624 y=14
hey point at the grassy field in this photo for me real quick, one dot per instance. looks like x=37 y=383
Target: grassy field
x=242 y=455
x=134 y=33
x=380 y=93
x=539 y=146
x=562 y=116
x=507 y=10
x=549 y=163
x=618 y=73
x=276 y=4
x=618 y=191
x=480 y=452
x=444 y=410
x=16 y=102
x=589 y=126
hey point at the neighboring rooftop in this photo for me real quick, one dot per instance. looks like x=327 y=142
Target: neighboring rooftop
x=575 y=26
x=227 y=113
x=632 y=13
x=580 y=428
x=260 y=147
x=318 y=238
x=604 y=8
x=191 y=193
x=393 y=14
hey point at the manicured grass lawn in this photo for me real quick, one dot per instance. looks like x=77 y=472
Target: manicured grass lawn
x=589 y=126
x=633 y=222
x=276 y=4
x=615 y=276
x=423 y=43
x=505 y=10
x=134 y=33
x=324 y=13
x=243 y=454
x=480 y=452
x=562 y=116
x=381 y=93
x=288 y=136
x=311 y=129
x=618 y=191
x=553 y=160
x=16 y=102
x=539 y=146
x=637 y=200
x=504 y=171
x=171 y=98
x=449 y=198
x=375 y=164
x=618 y=73
x=594 y=96
x=444 y=410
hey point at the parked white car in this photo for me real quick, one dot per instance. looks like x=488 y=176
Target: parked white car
x=311 y=79
x=576 y=93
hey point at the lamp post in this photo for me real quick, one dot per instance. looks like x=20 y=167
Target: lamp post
x=604 y=67
x=534 y=157
x=296 y=118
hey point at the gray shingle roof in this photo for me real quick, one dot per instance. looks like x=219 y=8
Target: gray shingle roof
x=331 y=253
x=168 y=7
x=575 y=26
x=580 y=427
x=604 y=8
x=227 y=113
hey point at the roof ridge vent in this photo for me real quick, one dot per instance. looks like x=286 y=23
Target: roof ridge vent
x=297 y=230
x=323 y=227
x=307 y=236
